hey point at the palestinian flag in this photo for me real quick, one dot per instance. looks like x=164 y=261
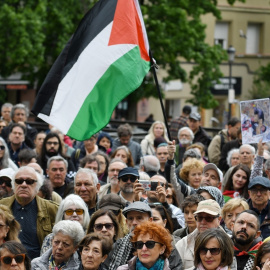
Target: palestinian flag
x=105 y=60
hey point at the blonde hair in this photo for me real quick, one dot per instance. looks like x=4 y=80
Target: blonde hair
x=151 y=135
x=232 y=204
x=189 y=165
x=14 y=225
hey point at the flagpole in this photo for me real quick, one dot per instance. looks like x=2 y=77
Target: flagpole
x=153 y=66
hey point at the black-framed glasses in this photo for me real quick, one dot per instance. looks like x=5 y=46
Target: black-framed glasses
x=99 y=226
x=261 y=190
x=27 y=181
x=6 y=182
x=69 y=212
x=19 y=258
x=130 y=177
x=149 y=244
x=213 y=251
x=207 y=218
x=2 y=147
x=53 y=143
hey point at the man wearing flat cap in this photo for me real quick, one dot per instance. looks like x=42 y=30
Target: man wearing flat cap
x=258 y=190
x=207 y=217
x=127 y=177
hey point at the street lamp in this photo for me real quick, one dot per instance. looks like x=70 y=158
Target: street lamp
x=231 y=54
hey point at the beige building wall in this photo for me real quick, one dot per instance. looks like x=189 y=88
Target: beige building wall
x=238 y=17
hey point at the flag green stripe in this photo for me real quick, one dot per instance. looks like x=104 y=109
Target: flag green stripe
x=120 y=79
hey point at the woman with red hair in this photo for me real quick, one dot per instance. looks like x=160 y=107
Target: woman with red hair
x=152 y=243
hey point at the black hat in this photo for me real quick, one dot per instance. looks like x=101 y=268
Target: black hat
x=128 y=171
x=259 y=180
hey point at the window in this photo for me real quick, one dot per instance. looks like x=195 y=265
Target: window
x=221 y=34
x=253 y=38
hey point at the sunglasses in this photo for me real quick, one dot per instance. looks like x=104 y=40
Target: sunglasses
x=148 y=244
x=257 y=190
x=169 y=196
x=8 y=259
x=207 y=219
x=27 y=181
x=2 y=147
x=99 y=226
x=6 y=182
x=70 y=212
x=131 y=178
x=213 y=251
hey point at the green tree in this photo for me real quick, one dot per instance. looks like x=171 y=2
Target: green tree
x=261 y=84
x=176 y=33
x=35 y=31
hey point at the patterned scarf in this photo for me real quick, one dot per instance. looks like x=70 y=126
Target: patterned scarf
x=157 y=266
x=252 y=252
x=121 y=253
x=53 y=266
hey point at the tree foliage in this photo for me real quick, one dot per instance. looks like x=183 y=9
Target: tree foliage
x=261 y=83
x=35 y=31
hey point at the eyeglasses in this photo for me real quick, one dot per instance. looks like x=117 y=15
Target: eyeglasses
x=213 y=251
x=131 y=178
x=2 y=147
x=169 y=196
x=70 y=212
x=27 y=181
x=6 y=182
x=8 y=259
x=99 y=226
x=148 y=244
x=207 y=218
x=256 y=190
x=53 y=143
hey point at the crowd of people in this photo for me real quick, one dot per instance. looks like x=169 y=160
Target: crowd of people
x=193 y=202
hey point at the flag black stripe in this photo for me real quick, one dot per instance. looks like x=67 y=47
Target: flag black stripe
x=90 y=26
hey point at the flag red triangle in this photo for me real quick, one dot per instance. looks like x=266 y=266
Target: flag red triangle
x=127 y=28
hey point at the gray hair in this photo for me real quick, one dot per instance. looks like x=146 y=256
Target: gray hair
x=150 y=163
x=6 y=105
x=229 y=155
x=251 y=148
x=189 y=130
x=21 y=107
x=39 y=177
x=89 y=172
x=117 y=160
x=192 y=153
x=70 y=200
x=56 y=158
x=4 y=161
x=73 y=229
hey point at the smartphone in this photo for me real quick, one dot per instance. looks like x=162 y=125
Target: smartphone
x=154 y=185
x=146 y=184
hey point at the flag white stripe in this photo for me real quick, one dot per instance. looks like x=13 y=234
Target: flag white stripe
x=81 y=79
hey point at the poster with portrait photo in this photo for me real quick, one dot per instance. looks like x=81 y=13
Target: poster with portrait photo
x=255 y=120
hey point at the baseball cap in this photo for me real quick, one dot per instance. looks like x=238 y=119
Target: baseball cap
x=112 y=201
x=210 y=207
x=8 y=172
x=139 y=207
x=128 y=171
x=212 y=166
x=195 y=116
x=259 y=180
